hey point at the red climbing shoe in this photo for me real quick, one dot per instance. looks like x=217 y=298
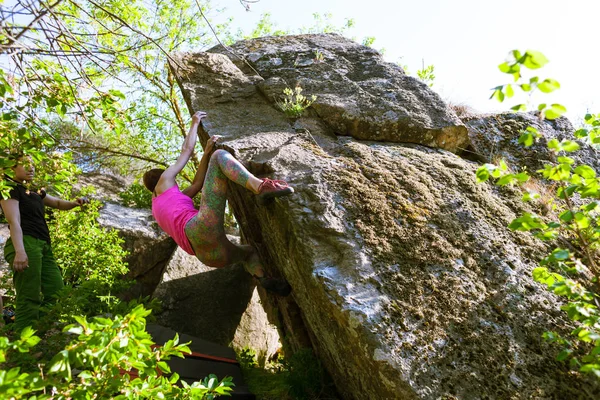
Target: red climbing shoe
x=276 y=286
x=270 y=188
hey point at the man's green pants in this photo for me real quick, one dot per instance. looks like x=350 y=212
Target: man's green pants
x=38 y=284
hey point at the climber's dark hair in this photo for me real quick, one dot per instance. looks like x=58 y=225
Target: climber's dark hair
x=151 y=178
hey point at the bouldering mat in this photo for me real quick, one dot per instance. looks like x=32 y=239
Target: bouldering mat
x=206 y=358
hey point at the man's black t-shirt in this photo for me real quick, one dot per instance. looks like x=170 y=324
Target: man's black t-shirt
x=31 y=208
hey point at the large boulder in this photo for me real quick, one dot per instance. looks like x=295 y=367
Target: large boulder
x=149 y=247
x=357 y=94
x=496 y=136
x=406 y=281
x=218 y=305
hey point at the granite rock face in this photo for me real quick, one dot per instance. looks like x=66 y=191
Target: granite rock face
x=496 y=136
x=357 y=94
x=406 y=281
x=149 y=247
x=218 y=305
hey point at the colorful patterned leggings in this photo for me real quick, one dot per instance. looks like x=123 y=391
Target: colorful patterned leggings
x=206 y=231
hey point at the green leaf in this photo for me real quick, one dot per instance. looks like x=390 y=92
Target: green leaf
x=533 y=59
x=522 y=177
x=502 y=165
x=582 y=220
x=164 y=367
x=581 y=133
x=585 y=171
x=526 y=87
x=564 y=354
x=526 y=139
x=509 y=91
x=561 y=254
x=567 y=216
x=589 y=118
x=590 y=207
x=27 y=332
x=565 y=160
x=555 y=111
x=519 y=107
x=570 y=145
x=504 y=67
x=498 y=94
x=554 y=144
x=505 y=180
x=548 y=85
x=482 y=174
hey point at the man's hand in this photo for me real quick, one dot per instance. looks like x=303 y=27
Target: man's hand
x=20 y=262
x=210 y=144
x=81 y=201
x=198 y=116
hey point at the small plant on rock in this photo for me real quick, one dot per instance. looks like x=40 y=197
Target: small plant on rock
x=319 y=57
x=294 y=102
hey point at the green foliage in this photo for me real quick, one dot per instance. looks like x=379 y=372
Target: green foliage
x=80 y=53
x=136 y=196
x=307 y=378
x=247 y=358
x=294 y=102
x=514 y=66
x=91 y=261
x=86 y=251
x=426 y=75
x=591 y=131
x=322 y=23
x=573 y=274
x=106 y=358
x=298 y=378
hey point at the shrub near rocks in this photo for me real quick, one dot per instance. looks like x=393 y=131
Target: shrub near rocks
x=572 y=269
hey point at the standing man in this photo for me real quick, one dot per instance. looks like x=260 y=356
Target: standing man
x=37 y=278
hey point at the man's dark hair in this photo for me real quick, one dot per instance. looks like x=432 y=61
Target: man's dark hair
x=16 y=156
x=151 y=178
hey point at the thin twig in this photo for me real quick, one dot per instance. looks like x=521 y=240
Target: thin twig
x=221 y=43
x=32 y=23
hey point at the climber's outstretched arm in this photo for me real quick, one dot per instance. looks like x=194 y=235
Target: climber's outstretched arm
x=167 y=179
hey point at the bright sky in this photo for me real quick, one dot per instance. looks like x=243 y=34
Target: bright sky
x=466 y=40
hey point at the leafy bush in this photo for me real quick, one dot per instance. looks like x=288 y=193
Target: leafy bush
x=102 y=357
x=574 y=272
x=136 y=196
x=91 y=261
x=294 y=102
x=84 y=250
x=107 y=358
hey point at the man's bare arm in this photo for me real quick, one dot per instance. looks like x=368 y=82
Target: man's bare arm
x=13 y=216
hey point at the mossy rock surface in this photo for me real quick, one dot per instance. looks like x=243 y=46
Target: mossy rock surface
x=406 y=281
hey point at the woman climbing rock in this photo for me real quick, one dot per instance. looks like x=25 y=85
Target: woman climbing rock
x=201 y=232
